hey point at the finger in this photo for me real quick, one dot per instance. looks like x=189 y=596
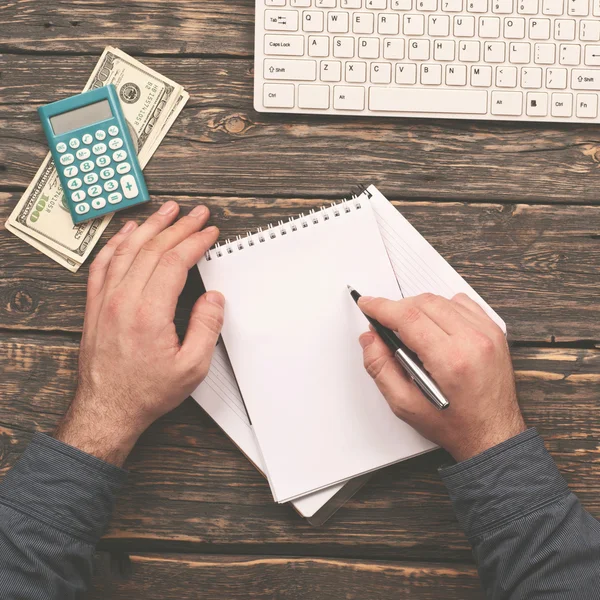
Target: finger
x=401 y=393
x=153 y=250
x=168 y=279
x=413 y=326
x=127 y=250
x=99 y=268
x=476 y=313
x=443 y=313
x=206 y=321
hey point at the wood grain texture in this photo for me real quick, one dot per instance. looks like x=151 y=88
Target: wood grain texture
x=535 y=265
x=222 y=146
x=174 y=27
x=191 y=489
x=213 y=577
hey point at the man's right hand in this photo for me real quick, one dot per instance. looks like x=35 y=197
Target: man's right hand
x=466 y=354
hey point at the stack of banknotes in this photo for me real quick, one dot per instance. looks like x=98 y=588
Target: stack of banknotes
x=151 y=104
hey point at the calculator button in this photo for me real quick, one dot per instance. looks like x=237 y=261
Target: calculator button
x=120 y=155
x=82 y=154
x=87 y=139
x=99 y=149
x=115 y=144
x=78 y=196
x=90 y=178
x=66 y=159
x=74 y=143
x=87 y=166
x=74 y=184
x=94 y=190
x=61 y=147
x=129 y=186
x=71 y=171
x=113 y=130
x=107 y=173
x=103 y=161
x=123 y=168
x=111 y=186
x=82 y=208
x=98 y=203
x=100 y=135
x=115 y=198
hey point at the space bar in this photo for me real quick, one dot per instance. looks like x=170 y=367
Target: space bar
x=419 y=100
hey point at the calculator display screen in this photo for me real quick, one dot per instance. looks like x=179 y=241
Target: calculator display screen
x=81 y=117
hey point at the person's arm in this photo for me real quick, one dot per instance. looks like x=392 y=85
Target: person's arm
x=530 y=535
x=56 y=502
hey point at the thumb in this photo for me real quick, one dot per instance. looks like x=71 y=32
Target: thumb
x=403 y=396
x=206 y=321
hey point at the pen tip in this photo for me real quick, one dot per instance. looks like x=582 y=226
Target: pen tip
x=350 y=288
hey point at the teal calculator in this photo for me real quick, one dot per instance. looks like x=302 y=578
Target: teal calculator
x=94 y=154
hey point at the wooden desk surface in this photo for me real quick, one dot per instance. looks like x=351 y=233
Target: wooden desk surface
x=513 y=207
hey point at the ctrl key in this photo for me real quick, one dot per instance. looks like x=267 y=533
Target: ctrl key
x=278 y=95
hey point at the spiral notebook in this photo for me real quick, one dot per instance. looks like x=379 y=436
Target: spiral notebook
x=291 y=333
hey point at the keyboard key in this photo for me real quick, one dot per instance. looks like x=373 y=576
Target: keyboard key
x=296 y=70
x=98 y=203
x=539 y=29
x=107 y=173
x=481 y=76
x=71 y=171
x=508 y=104
x=585 y=79
x=564 y=29
x=381 y=73
x=477 y=6
x=90 y=178
x=464 y=26
x=113 y=130
x=67 y=159
x=452 y=6
x=75 y=183
x=277 y=95
x=61 y=147
x=537 y=104
x=456 y=75
x=388 y=24
x=339 y=22
x=393 y=49
x=313 y=22
x=531 y=77
x=569 y=54
x=544 y=54
x=343 y=47
x=426 y=5
x=115 y=198
x=94 y=190
x=502 y=6
x=553 y=7
x=284 y=45
x=368 y=48
x=469 y=51
x=406 y=74
x=331 y=70
x=281 y=20
x=527 y=7
x=519 y=53
x=444 y=50
x=506 y=77
x=356 y=72
x=87 y=139
x=115 y=144
x=396 y=4
x=74 y=143
x=129 y=187
x=431 y=74
x=78 y=196
x=494 y=52
x=313 y=97
x=99 y=149
x=556 y=79
x=348 y=97
x=82 y=208
x=592 y=55
x=413 y=25
x=562 y=105
x=439 y=25
x=100 y=135
x=514 y=28
x=363 y=23
x=112 y=185
x=589 y=31
x=123 y=168
x=82 y=154
x=587 y=106
x=318 y=45
x=119 y=155
x=578 y=8
x=427 y=100
x=87 y=166
x=489 y=27
x=418 y=49
x=103 y=161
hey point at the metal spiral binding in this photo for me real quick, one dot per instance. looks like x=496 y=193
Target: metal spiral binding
x=281 y=229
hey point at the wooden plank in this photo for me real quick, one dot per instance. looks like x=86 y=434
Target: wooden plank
x=190 y=488
x=535 y=265
x=213 y=577
x=220 y=144
x=177 y=27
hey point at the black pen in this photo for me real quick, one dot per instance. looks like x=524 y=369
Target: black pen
x=408 y=359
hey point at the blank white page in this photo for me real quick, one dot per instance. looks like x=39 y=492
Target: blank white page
x=220 y=397
x=291 y=331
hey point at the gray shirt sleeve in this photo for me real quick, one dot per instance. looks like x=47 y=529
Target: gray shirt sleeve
x=531 y=537
x=55 y=505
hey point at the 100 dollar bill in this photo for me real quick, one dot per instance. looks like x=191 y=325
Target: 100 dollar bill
x=150 y=104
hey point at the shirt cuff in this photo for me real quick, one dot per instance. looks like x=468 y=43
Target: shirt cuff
x=503 y=484
x=63 y=487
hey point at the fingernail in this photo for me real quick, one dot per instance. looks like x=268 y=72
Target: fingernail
x=128 y=227
x=167 y=207
x=215 y=298
x=365 y=299
x=212 y=229
x=198 y=211
x=366 y=339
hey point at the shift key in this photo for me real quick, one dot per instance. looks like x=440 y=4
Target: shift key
x=293 y=70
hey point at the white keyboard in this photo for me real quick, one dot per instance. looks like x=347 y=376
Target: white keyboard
x=524 y=60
